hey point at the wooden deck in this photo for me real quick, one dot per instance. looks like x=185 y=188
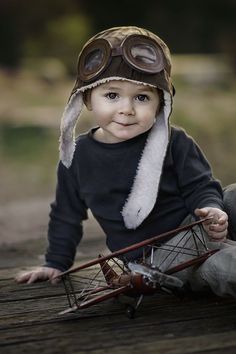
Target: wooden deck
x=30 y=323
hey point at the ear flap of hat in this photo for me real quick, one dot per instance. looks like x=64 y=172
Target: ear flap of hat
x=143 y=195
x=68 y=123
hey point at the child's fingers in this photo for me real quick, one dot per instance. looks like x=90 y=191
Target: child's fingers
x=45 y=275
x=223 y=219
x=201 y=212
x=209 y=222
x=217 y=216
x=218 y=231
x=218 y=237
x=36 y=276
x=53 y=276
x=31 y=277
x=219 y=227
x=22 y=277
x=216 y=226
x=55 y=281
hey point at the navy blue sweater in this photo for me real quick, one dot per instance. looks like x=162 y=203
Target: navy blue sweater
x=100 y=179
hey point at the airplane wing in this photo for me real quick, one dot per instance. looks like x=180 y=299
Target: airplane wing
x=156 y=239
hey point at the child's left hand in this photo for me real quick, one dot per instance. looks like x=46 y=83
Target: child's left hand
x=217 y=229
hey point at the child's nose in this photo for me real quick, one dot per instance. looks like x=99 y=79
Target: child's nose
x=127 y=107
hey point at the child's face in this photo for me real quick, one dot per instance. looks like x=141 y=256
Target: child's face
x=122 y=110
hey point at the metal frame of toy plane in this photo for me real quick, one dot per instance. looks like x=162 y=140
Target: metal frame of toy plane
x=83 y=291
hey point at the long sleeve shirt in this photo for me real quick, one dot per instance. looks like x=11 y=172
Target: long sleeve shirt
x=100 y=179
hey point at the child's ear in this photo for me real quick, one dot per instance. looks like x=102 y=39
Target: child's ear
x=87 y=99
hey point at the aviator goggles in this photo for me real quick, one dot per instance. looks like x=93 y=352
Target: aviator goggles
x=140 y=52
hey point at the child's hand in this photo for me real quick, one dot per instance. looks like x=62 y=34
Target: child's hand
x=39 y=273
x=217 y=228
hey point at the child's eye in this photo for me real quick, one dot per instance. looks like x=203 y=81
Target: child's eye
x=111 y=95
x=142 y=98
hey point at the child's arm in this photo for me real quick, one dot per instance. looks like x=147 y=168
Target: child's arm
x=217 y=229
x=39 y=273
x=64 y=232
x=65 y=227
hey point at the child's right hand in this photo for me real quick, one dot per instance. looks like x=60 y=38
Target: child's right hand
x=38 y=274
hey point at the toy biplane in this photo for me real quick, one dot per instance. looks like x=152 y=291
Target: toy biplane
x=112 y=275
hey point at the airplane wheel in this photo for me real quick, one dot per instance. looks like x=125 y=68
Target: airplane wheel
x=130 y=311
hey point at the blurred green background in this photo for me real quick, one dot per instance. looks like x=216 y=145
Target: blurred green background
x=40 y=42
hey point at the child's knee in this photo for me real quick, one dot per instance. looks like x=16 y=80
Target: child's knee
x=219 y=272
x=230 y=208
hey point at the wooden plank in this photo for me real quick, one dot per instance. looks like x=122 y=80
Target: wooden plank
x=29 y=323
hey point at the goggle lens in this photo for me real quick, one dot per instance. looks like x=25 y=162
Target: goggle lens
x=93 y=60
x=142 y=53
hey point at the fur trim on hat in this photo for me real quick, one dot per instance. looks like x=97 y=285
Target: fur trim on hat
x=68 y=123
x=143 y=195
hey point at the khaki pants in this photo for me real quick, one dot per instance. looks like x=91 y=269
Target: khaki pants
x=218 y=272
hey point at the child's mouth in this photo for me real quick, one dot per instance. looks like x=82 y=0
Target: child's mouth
x=125 y=124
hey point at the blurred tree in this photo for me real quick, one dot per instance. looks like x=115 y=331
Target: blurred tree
x=195 y=27
x=10 y=36
x=204 y=26
x=62 y=38
x=40 y=28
